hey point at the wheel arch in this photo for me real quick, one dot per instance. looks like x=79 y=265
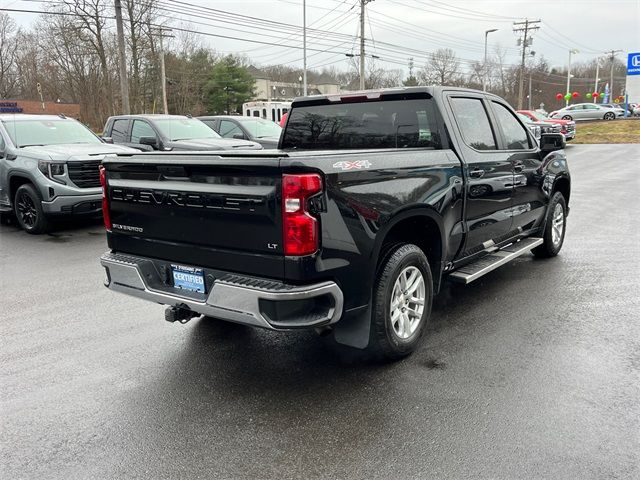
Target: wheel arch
x=563 y=185
x=421 y=226
x=16 y=180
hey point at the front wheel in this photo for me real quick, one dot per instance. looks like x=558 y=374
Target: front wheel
x=402 y=302
x=567 y=117
x=555 y=228
x=609 y=116
x=28 y=210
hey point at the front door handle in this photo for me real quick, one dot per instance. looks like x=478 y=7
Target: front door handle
x=518 y=167
x=476 y=173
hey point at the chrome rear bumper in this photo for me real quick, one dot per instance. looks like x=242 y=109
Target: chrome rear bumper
x=236 y=298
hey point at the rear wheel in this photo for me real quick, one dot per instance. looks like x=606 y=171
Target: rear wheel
x=609 y=116
x=402 y=302
x=28 y=210
x=555 y=227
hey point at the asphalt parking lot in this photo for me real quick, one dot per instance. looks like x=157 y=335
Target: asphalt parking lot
x=532 y=372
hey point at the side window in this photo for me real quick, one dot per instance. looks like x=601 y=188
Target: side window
x=515 y=135
x=3 y=146
x=228 y=129
x=141 y=129
x=210 y=123
x=474 y=123
x=119 y=130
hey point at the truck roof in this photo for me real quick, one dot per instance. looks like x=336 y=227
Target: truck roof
x=431 y=90
x=150 y=116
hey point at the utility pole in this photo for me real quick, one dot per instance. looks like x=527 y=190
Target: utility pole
x=612 y=57
x=529 y=90
x=304 y=47
x=122 y=62
x=362 y=13
x=526 y=41
x=163 y=75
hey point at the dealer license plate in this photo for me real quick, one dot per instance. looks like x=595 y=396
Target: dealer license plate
x=188 y=278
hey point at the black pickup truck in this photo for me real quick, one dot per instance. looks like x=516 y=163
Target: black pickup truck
x=371 y=202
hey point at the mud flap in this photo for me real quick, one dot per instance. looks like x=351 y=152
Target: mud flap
x=354 y=328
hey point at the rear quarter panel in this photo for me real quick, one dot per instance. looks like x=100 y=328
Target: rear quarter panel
x=366 y=193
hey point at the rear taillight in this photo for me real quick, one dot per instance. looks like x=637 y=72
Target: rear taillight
x=106 y=215
x=299 y=227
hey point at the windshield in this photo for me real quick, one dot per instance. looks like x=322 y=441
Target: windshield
x=26 y=133
x=184 y=129
x=259 y=128
x=541 y=114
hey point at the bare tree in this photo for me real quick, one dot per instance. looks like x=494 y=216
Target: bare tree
x=443 y=68
x=8 y=56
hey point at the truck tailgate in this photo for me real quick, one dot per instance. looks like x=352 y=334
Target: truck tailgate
x=204 y=210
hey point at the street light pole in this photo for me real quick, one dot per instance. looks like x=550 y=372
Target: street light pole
x=484 y=76
x=571 y=52
x=304 y=47
x=595 y=86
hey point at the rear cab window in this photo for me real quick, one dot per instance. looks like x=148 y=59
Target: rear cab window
x=119 y=129
x=392 y=121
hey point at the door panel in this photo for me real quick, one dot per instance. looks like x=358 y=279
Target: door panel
x=488 y=173
x=528 y=200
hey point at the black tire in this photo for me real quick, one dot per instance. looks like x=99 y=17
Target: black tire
x=609 y=116
x=549 y=248
x=567 y=117
x=27 y=206
x=385 y=340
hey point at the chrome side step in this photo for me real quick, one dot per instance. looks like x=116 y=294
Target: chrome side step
x=484 y=265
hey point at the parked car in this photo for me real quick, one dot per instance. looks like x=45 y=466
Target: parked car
x=619 y=106
x=636 y=110
x=49 y=168
x=258 y=130
x=351 y=228
x=567 y=127
x=586 y=111
x=169 y=132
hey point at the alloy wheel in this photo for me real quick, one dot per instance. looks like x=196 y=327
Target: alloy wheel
x=27 y=210
x=407 y=302
x=557 y=225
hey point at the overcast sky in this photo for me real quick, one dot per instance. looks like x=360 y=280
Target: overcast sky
x=410 y=28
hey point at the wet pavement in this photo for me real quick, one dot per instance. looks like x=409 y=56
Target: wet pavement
x=531 y=372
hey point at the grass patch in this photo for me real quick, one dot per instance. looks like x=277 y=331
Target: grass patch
x=614 y=131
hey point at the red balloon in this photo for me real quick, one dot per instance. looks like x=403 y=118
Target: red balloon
x=559 y=96
x=575 y=94
x=596 y=94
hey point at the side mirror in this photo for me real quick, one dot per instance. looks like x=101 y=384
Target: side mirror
x=238 y=136
x=107 y=139
x=550 y=142
x=151 y=141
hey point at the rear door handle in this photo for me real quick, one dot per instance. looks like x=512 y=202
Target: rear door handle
x=476 y=173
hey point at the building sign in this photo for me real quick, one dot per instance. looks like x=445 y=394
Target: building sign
x=633 y=64
x=10 y=107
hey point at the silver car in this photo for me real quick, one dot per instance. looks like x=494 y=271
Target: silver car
x=587 y=111
x=49 y=167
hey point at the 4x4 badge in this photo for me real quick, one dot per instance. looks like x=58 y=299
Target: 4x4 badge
x=357 y=165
